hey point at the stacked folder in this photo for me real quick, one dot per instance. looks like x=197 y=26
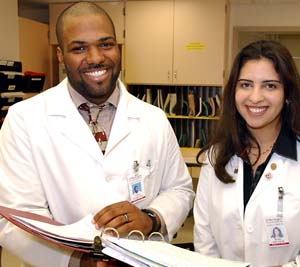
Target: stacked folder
x=14 y=84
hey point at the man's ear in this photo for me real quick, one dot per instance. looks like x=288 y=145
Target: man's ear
x=59 y=54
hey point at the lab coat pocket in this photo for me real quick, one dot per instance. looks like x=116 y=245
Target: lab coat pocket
x=116 y=188
x=149 y=174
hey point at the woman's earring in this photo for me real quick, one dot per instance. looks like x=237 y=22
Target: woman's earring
x=287 y=102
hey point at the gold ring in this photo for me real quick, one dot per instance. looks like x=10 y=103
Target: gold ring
x=126 y=217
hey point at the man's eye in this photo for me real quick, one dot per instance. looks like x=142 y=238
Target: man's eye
x=78 y=49
x=107 y=45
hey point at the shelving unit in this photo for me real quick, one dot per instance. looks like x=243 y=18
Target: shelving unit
x=192 y=110
x=16 y=86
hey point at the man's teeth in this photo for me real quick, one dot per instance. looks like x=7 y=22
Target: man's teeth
x=96 y=73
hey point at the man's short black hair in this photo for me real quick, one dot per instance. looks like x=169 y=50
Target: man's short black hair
x=79 y=9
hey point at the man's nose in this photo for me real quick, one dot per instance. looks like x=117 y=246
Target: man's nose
x=95 y=55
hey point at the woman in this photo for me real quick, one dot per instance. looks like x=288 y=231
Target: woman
x=276 y=233
x=249 y=181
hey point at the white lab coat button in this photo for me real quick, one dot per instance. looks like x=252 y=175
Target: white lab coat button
x=249 y=229
x=108 y=178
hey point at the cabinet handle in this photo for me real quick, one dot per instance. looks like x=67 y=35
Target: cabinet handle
x=175 y=75
x=168 y=75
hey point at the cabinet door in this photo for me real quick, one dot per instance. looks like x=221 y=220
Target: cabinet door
x=113 y=8
x=148 y=42
x=199 y=32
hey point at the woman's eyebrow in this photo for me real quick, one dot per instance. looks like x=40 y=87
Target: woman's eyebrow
x=272 y=81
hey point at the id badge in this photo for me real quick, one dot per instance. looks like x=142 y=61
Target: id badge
x=136 y=184
x=277 y=234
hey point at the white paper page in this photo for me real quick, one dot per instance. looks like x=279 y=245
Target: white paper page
x=126 y=255
x=82 y=230
x=124 y=258
x=170 y=255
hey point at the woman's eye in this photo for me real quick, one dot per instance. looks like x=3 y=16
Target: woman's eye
x=244 y=85
x=270 y=86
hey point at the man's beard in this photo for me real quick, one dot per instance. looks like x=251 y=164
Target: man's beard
x=88 y=91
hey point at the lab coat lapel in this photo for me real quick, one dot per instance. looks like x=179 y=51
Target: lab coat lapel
x=125 y=120
x=240 y=187
x=273 y=173
x=236 y=170
x=65 y=118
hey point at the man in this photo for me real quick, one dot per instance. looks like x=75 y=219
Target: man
x=51 y=164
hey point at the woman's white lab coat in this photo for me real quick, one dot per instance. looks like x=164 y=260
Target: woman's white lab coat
x=50 y=164
x=222 y=229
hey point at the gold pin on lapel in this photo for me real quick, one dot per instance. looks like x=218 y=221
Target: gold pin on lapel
x=273 y=166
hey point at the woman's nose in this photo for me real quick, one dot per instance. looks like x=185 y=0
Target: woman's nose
x=256 y=94
x=95 y=55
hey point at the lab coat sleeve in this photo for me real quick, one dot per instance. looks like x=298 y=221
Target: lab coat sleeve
x=176 y=195
x=204 y=241
x=21 y=188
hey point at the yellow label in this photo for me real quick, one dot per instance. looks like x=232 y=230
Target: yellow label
x=195 y=46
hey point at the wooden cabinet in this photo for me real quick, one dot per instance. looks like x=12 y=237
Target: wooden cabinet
x=175 y=42
x=148 y=42
x=114 y=8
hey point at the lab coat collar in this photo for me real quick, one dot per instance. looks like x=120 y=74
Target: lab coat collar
x=125 y=120
x=66 y=119
x=61 y=103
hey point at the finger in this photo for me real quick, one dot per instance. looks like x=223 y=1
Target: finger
x=112 y=211
x=118 y=221
x=138 y=221
x=111 y=263
x=111 y=218
x=115 y=206
x=102 y=264
x=124 y=229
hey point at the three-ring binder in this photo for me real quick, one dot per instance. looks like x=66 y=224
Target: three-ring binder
x=145 y=252
x=98 y=247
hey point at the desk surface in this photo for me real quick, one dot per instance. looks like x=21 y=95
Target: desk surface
x=189 y=155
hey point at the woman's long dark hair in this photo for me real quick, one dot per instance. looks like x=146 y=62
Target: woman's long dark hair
x=231 y=135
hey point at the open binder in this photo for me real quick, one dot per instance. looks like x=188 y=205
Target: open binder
x=83 y=236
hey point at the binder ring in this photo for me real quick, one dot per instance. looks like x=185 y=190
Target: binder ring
x=111 y=229
x=136 y=232
x=156 y=234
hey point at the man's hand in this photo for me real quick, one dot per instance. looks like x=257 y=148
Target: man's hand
x=87 y=261
x=124 y=217
x=111 y=264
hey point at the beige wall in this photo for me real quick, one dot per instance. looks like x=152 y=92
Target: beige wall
x=34 y=47
x=9 y=30
x=262 y=15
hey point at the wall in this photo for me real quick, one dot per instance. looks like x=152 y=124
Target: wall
x=9 y=30
x=273 y=15
x=34 y=47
